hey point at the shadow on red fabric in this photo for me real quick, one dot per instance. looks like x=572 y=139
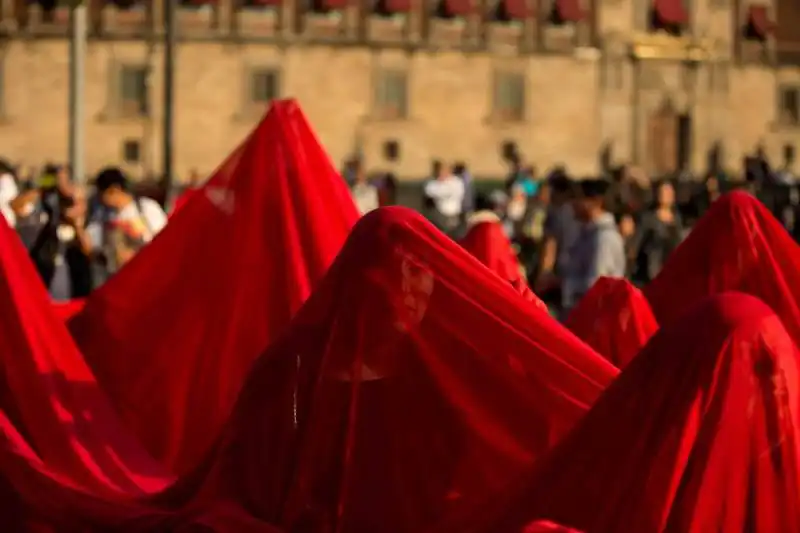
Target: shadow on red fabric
x=67 y=309
x=737 y=246
x=413 y=382
x=614 y=318
x=699 y=433
x=173 y=334
x=49 y=398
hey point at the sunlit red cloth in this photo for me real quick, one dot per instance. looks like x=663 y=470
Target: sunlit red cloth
x=413 y=382
x=50 y=405
x=544 y=526
x=738 y=245
x=67 y=309
x=699 y=433
x=173 y=334
x=614 y=318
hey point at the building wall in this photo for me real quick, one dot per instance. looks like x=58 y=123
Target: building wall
x=576 y=104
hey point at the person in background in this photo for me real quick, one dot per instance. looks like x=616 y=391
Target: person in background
x=598 y=249
x=528 y=181
x=387 y=191
x=124 y=223
x=626 y=223
x=365 y=194
x=59 y=246
x=560 y=230
x=660 y=232
x=9 y=189
x=444 y=195
x=468 y=205
x=516 y=211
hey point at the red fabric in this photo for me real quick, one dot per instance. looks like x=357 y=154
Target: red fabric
x=334 y=5
x=413 y=381
x=671 y=12
x=182 y=200
x=614 y=318
x=738 y=245
x=516 y=9
x=570 y=10
x=488 y=243
x=173 y=334
x=50 y=403
x=396 y=6
x=68 y=309
x=759 y=19
x=544 y=526
x=698 y=434
x=457 y=8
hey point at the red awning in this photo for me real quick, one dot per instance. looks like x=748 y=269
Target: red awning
x=456 y=8
x=331 y=5
x=671 y=12
x=396 y=6
x=759 y=20
x=570 y=10
x=516 y=9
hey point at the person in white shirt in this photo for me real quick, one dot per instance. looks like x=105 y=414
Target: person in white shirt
x=8 y=191
x=365 y=194
x=444 y=193
x=124 y=223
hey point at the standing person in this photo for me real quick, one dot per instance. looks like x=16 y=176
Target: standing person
x=365 y=194
x=444 y=194
x=124 y=223
x=468 y=205
x=660 y=232
x=598 y=249
x=59 y=245
x=560 y=230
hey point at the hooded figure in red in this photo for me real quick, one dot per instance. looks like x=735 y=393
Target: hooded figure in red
x=51 y=407
x=736 y=246
x=698 y=434
x=173 y=334
x=614 y=318
x=413 y=382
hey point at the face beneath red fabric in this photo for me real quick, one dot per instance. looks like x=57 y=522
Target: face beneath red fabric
x=737 y=246
x=614 y=318
x=698 y=434
x=412 y=383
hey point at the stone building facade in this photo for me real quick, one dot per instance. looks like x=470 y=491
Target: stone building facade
x=667 y=84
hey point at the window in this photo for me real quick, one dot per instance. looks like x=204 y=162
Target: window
x=264 y=86
x=789 y=105
x=508 y=102
x=391 y=94
x=131 y=151
x=133 y=100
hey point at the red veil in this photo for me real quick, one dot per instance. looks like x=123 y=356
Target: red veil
x=698 y=434
x=614 y=318
x=737 y=246
x=412 y=382
x=172 y=335
x=51 y=409
x=487 y=241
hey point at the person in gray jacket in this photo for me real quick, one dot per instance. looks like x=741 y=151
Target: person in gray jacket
x=598 y=249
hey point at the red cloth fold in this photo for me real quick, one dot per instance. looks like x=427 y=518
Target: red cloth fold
x=614 y=318
x=173 y=334
x=68 y=309
x=699 y=433
x=413 y=382
x=50 y=404
x=736 y=246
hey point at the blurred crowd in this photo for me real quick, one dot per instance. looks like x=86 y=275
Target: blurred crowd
x=568 y=231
